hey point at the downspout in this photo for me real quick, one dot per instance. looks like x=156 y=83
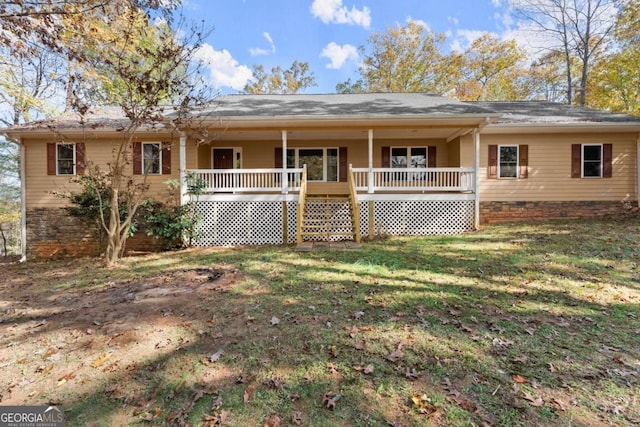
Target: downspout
x=476 y=177
x=183 y=169
x=23 y=202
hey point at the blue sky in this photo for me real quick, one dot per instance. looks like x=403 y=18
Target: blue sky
x=326 y=33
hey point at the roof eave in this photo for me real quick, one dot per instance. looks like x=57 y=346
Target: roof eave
x=507 y=128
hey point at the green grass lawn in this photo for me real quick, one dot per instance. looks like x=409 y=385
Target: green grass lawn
x=532 y=324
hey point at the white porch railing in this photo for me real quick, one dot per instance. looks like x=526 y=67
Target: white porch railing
x=415 y=179
x=243 y=180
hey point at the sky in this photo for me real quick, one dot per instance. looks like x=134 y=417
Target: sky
x=327 y=33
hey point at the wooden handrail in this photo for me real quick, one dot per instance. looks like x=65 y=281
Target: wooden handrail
x=355 y=205
x=302 y=199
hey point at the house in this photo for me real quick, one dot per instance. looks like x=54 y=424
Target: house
x=289 y=168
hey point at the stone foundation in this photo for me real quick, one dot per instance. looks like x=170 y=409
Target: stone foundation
x=54 y=233
x=519 y=211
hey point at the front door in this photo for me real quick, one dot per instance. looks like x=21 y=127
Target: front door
x=223 y=158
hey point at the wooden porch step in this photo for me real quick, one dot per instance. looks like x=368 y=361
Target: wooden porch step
x=327 y=217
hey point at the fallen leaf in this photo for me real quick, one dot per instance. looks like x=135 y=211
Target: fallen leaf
x=273 y=421
x=533 y=401
x=519 y=379
x=329 y=400
x=395 y=356
x=422 y=403
x=99 y=361
x=358 y=315
x=411 y=374
x=560 y=404
x=274 y=321
x=333 y=351
x=296 y=418
x=552 y=368
x=216 y=356
x=368 y=369
x=522 y=359
x=248 y=393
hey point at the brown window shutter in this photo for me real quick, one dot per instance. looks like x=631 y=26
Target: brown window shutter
x=342 y=164
x=137 y=158
x=607 y=160
x=576 y=160
x=166 y=158
x=492 y=166
x=386 y=157
x=278 y=157
x=431 y=157
x=523 y=161
x=51 y=158
x=81 y=154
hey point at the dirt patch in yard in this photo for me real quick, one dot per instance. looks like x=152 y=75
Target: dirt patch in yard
x=57 y=344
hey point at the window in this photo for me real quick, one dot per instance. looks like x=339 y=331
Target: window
x=65 y=158
x=322 y=163
x=508 y=161
x=409 y=157
x=151 y=158
x=591 y=160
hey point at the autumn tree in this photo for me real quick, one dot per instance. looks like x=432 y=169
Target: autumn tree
x=578 y=28
x=294 y=79
x=404 y=59
x=615 y=84
x=493 y=70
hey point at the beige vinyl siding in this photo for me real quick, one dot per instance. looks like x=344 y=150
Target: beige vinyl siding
x=550 y=170
x=41 y=188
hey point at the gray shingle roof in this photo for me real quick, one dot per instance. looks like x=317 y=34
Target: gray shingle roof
x=343 y=105
x=543 y=112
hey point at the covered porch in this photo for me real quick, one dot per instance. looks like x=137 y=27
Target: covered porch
x=392 y=184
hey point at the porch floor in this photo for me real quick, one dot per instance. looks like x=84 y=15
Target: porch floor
x=327 y=246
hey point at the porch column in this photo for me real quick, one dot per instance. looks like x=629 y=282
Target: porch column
x=370 y=173
x=476 y=181
x=184 y=198
x=285 y=178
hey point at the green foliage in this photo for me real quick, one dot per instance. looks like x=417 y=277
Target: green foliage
x=173 y=223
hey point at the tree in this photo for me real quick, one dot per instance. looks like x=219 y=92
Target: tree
x=295 y=79
x=404 y=59
x=579 y=28
x=493 y=70
x=616 y=82
x=147 y=71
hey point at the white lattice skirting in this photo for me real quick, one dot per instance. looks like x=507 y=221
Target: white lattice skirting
x=228 y=223
x=237 y=222
x=422 y=217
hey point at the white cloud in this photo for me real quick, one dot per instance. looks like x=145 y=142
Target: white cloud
x=419 y=22
x=464 y=38
x=497 y=3
x=223 y=69
x=333 y=11
x=260 y=51
x=339 y=54
x=453 y=20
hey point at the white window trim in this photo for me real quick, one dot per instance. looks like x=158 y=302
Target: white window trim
x=517 y=161
x=582 y=161
x=144 y=170
x=73 y=145
x=409 y=155
x=296 y=151
x=237 y=151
